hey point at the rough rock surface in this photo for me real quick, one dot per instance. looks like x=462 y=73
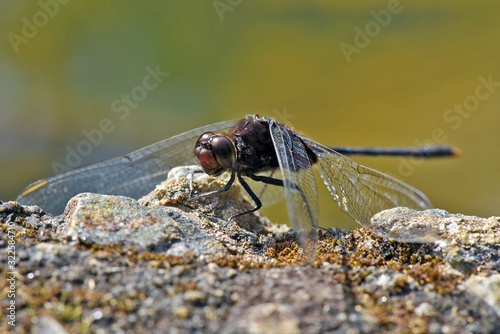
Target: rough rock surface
x=167 y=263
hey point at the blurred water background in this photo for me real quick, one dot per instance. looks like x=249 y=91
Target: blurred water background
x=363 y=73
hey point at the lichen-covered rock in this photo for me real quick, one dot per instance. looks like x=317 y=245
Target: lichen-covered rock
x=115 y=220
x=168 y=220
x=487 y=288
x=173 y=263
x=465 y=242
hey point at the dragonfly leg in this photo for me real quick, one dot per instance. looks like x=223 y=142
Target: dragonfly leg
x=278 y=182
x=258 y=203
x=226 y=187
x=256 y=200
x=265 y=185
x=191 y=177
x=268 y=180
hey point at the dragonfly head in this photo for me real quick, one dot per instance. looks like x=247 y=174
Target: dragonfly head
x=215 y=153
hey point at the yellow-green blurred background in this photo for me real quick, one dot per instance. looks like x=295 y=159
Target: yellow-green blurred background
x=281 y=58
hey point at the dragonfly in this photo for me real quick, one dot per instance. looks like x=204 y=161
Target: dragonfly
x=249 y=148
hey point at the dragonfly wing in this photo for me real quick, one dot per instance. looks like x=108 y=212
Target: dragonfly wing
x=132 y=175
x=299 y=184
x=361 y=192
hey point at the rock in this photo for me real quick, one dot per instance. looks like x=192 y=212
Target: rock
x=408 y=225
x=170 y=263
x=167 y=220
x=465 y=242
x=267 y=318
x=47 y=325
x=121 y=221
x=115 y=220
x=486 y=287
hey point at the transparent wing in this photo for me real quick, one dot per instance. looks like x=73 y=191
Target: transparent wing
x=361 y=192
x=300 y=189
x=132 y=175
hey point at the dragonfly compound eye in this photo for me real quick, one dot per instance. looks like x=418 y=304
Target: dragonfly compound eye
x=224 y=151
x=207 y=160
x=205 y=155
